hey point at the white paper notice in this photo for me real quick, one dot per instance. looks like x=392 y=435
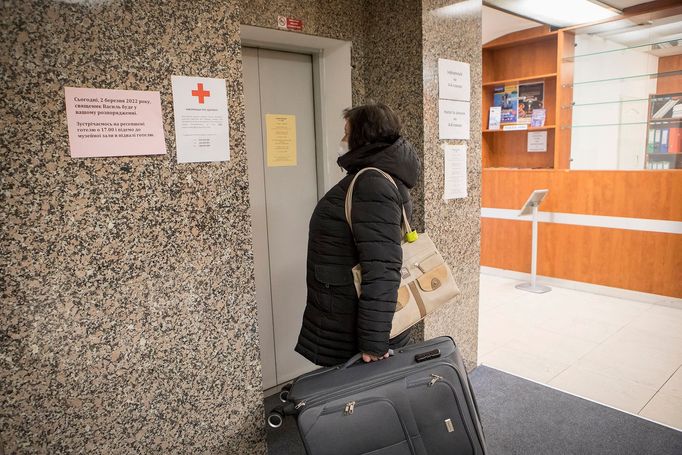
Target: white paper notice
x=537 y=141
x=455 y=171
x=453 y=119
x=454 y=80
x=201 y=119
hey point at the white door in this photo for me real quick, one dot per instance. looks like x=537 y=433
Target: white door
x=282 y=199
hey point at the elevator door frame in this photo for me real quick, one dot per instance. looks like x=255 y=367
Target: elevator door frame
x=331 y=91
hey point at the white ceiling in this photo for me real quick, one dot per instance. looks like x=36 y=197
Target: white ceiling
x=620 y=4
x=496 y=23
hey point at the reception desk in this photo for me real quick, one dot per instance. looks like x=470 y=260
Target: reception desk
x=613 y=228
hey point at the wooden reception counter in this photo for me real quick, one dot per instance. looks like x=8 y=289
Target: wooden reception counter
x=613 y=228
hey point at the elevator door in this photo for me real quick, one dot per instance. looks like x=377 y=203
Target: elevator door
x=282 y=199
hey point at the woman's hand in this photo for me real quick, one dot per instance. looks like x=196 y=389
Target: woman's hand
x=373 y=358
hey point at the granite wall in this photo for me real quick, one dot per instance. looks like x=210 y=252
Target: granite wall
x=128 y=310
x=128 y=319
x=393 y=63
x=452 y=30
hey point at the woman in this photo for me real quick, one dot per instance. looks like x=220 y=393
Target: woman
x=336 y=323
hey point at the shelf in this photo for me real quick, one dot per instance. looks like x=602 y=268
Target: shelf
x=665 y=120
x=599 y=103
x=535 y=128
x=506 y=168
x=623 y=49
x=638 y=76
x=565 y=127
x=520 y=79
x=658 y=122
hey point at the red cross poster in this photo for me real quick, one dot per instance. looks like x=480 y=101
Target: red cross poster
x=201 y=119
x=103 y=122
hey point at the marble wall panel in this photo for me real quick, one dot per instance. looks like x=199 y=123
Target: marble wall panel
x=452 y=30
x=128 y=312
x=393 y=63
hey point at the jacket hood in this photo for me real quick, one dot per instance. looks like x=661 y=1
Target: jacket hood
x=398 y=159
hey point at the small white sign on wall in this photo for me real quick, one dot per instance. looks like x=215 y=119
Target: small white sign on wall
x=537 y=141
x=201 y=119
x=453 y=119
x=454 y=80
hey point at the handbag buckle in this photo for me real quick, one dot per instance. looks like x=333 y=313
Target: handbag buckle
x=404 y=273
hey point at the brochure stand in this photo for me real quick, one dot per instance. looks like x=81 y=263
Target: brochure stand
x=531 y=206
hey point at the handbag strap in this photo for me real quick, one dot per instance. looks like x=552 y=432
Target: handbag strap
x=349 y=198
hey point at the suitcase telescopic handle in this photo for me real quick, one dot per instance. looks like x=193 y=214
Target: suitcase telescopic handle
x=357 y=357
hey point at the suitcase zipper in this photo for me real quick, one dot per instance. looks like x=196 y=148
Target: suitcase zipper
x=349 y=408
x=361 y=387
x=430 y=381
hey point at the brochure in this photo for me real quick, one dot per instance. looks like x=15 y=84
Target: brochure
x=531 y=97
x=494 y=118
x=538 y=118
x=506 y=97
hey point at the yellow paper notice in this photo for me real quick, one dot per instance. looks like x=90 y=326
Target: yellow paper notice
x=281 y=137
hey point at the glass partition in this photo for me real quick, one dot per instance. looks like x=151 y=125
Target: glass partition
x=627 y=97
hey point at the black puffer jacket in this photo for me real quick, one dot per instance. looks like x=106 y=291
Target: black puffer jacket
x=336 y=324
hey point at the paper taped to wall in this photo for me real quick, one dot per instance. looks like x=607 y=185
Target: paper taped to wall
x=281 y=139
x=201 y=120
x=455 y=171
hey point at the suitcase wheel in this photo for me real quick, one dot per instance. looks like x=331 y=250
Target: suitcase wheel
x=284 y=393
x=275 y=419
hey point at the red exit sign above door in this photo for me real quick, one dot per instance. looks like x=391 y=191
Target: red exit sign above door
x=287 y=23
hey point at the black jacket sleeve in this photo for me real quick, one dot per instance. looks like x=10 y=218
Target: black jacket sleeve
x=376 y=217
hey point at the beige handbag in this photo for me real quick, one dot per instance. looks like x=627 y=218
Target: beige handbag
x=426 y=280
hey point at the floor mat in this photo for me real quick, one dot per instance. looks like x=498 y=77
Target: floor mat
x=521 y=417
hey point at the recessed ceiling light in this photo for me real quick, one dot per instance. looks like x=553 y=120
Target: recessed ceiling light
x=559 y=13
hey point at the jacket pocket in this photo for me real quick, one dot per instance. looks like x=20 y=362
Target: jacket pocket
x=333 y=275
x=338 y=292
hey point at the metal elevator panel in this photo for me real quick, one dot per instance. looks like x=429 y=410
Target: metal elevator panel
x=282 y=200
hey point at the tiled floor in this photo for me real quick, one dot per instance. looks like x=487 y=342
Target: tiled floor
x=622 y=353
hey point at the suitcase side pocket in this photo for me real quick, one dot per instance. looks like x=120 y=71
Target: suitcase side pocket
x=367 y=426
x=440 y=418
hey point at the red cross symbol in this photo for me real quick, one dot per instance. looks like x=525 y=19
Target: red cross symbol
x=200 y=93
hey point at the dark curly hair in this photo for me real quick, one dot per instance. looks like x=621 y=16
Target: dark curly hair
x=371 y=123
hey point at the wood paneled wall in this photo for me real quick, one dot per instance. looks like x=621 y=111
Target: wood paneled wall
x=669 y=84
x=637 y=260
x=655 y=195
x=640 y=261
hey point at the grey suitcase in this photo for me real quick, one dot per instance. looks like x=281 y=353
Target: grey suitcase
x=418 y=401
